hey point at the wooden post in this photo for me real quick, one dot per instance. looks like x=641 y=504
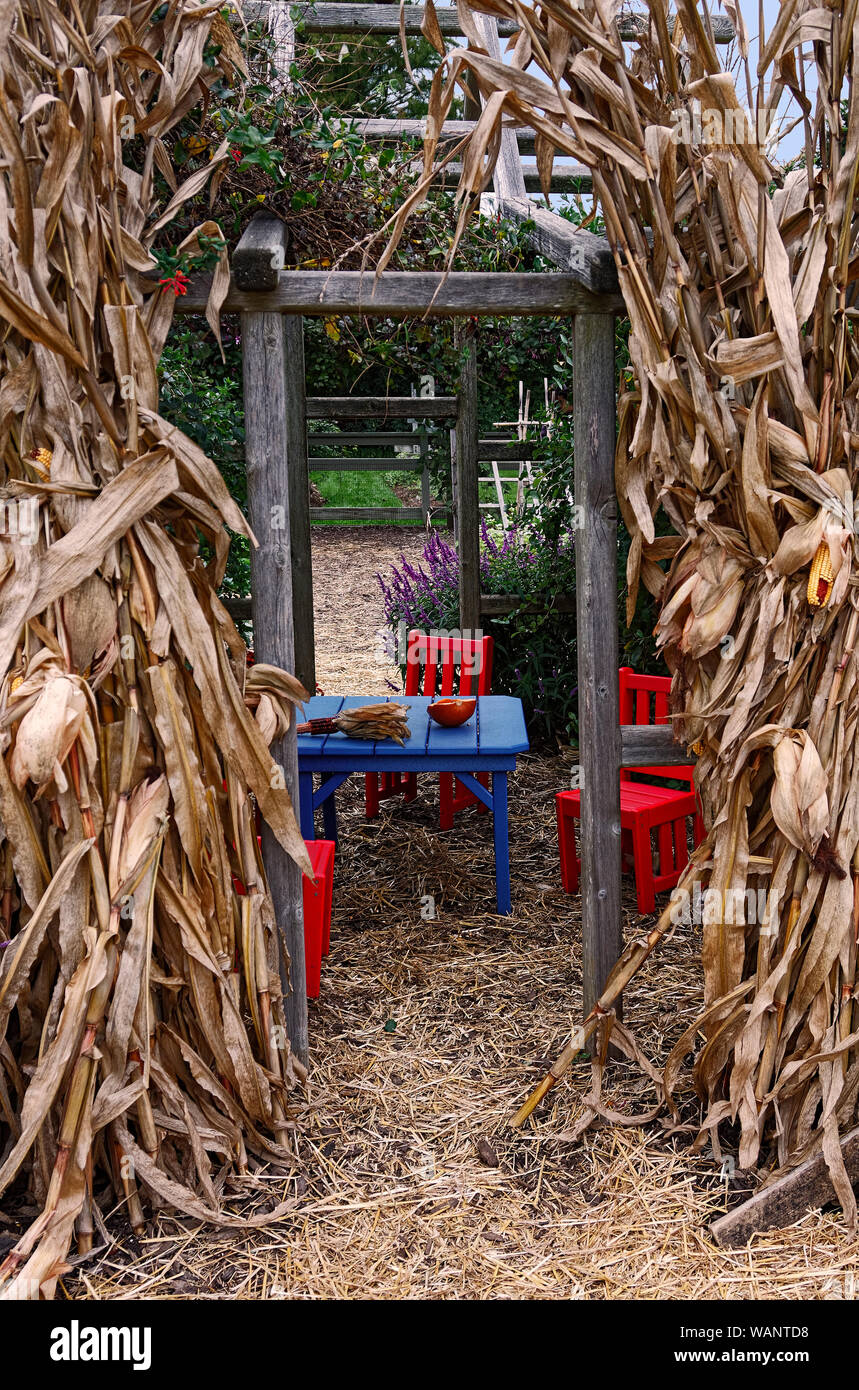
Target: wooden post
x=596 y=609
x=508 y=177
x=467 y=492
x=426 y=501
x=299 y=503
x=267 y=433
x=471 y=106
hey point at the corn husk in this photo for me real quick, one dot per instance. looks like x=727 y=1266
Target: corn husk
x=375 y=722
x=143 y=1053
x=739 y=278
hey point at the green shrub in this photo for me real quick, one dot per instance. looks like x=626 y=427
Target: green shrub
x=535 y=653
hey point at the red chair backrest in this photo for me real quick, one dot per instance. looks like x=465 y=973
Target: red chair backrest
x=644 y=700
x=427 y=654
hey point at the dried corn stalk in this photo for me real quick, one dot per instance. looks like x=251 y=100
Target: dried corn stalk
x=142 y=1039
x=740 y=281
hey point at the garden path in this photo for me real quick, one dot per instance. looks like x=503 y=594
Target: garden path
x=348 y=614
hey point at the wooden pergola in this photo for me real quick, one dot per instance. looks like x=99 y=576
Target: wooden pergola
x=272 y=304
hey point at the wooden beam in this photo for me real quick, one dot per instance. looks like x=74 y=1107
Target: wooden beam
x=594 y=429
x=239 y=609
x=504 y=450
x=381 y=407
x=387 y=131
x=375 y=514
x=356 y=465
x=494 y=605
x=260 y=255
x=787 y=1199
x=571 y=249
x=370 y=437
x=467 y=490
x=378 y=19
x=267 y=435
x=281 y=28
x=410 y=293
x=646 y=745
x=508 y=179
x=566 y=178
x=299 y=505
x=385 y=19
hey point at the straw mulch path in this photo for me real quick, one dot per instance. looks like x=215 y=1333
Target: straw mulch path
x=348 y=615
x=408 y=1181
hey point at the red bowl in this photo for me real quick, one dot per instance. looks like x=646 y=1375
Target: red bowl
x=451 y=712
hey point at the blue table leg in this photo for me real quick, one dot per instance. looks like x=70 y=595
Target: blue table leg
x=305 y=805
x=502 y=847
x=329 y=818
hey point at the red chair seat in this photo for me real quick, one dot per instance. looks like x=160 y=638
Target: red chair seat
x=644 y=806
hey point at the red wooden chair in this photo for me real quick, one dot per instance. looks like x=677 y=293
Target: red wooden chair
x=317 y=895
x=432 y=662
x=644 y=806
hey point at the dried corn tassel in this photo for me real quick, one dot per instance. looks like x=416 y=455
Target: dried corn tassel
x=820 y=577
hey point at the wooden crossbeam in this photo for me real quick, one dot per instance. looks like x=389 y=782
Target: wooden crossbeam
x=365 y=465
x=565 y=245
x=405 y=294
x=369 y=439
x=504 y=451
x=788 y=1198
x=566 y=178
x=647 y=745
x=385 y=19
x=377 y=514
x=381 y=407
x=380 y=131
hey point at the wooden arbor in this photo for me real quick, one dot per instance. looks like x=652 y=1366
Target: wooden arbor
x=271 y=303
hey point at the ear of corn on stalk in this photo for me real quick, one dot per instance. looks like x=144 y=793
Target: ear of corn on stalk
x=820 y=577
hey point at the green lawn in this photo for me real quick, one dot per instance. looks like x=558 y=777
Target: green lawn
x=356 y=489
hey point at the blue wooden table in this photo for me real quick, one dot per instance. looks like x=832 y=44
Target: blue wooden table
x=488 y=742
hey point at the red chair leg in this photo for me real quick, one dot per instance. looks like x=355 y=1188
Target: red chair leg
x=567 y=849
x=645 y=889
x=410 y=786
x=371 y=794
x=445 y=792
x=665 y=842
x=681 y=849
